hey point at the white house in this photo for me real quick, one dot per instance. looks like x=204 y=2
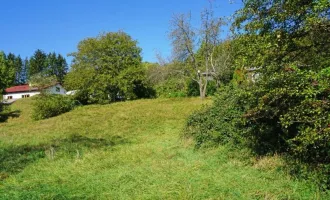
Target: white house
x=25 y=91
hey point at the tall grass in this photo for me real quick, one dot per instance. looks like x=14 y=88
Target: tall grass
x=131 y=150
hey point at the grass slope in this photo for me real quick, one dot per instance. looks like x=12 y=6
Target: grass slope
x=130 y=150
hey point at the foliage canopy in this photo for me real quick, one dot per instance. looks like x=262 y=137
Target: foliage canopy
x=286 y=106
x=106 y=68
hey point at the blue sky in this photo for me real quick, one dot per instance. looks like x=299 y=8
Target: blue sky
x=59 y=25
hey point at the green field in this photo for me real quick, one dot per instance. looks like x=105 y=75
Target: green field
x=131 y=150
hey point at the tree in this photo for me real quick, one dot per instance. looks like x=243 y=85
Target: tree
x=106 y=68
x=37 y=63
x=167 y=79
x=7 y=74
x=18 y=70
x=221 y=62
x=11 y=69
x=288 y=43
x=51 y=64
x=7 y=71
x=61 y=68
x=186 y=40
x=24 y=71
x=2 y=71
x=15 y=62
x=41 y=81
x=56 y=66
x=14 y=65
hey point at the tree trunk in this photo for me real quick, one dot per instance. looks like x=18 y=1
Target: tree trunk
x=202 y=88
x=201 y=91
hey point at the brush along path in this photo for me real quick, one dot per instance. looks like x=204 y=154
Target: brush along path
x=130 y=150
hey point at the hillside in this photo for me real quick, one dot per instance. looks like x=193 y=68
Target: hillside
x=130 y=150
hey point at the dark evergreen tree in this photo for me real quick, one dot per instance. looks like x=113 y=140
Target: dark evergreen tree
x=56 y=66
x=24 y=71
x=51 y=64
x=18 y=64
x=10 y=69
x=37 y=63
x=61 y=68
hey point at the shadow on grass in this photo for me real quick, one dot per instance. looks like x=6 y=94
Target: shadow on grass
x=6 y=115
x=14 y=159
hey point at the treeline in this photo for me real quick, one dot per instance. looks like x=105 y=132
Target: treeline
x=15 y=71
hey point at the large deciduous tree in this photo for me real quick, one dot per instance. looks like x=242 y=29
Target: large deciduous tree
x=196 y=47
x=106 y=68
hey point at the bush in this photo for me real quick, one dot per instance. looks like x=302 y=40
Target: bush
x=286 y=112
x=220 y=123
x=178 y=87
x=192 y=88
x=172 y=87
x=50 y=105
x=291 y=114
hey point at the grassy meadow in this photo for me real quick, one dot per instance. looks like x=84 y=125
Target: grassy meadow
x=131 y=150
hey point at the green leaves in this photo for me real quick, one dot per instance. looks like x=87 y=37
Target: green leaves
x=285 y=108
x=50 y=105
x=106 y=68
x=220 y=123
x=10 y=67
x=48 y=65
x=288 y=43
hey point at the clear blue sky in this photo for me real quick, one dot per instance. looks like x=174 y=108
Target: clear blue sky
x=58 y=25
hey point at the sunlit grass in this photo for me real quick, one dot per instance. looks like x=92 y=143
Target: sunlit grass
x=131 y=150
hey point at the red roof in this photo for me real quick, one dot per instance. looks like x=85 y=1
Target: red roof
x=21 y=88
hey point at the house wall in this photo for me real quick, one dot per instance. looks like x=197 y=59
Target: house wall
x=50 y=90
x=53 y=89
x=19 y=94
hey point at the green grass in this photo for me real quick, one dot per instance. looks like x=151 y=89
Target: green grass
x=131 y=150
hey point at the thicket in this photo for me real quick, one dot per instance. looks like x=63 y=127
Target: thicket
x=51 y=105
x=173 y=87
x=281 y=102
x=170 y=80
x=220 y=123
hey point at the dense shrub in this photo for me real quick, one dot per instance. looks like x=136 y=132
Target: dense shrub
x=285 y=112
x=291 y=114
x=175 y=87
x=220 y=123
x=49 y=105
x=282 y=59
x=172 y=87
x=192 y=88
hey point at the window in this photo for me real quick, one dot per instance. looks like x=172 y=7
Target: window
x=9 y=97
x=25 y=96
x=58 y=89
